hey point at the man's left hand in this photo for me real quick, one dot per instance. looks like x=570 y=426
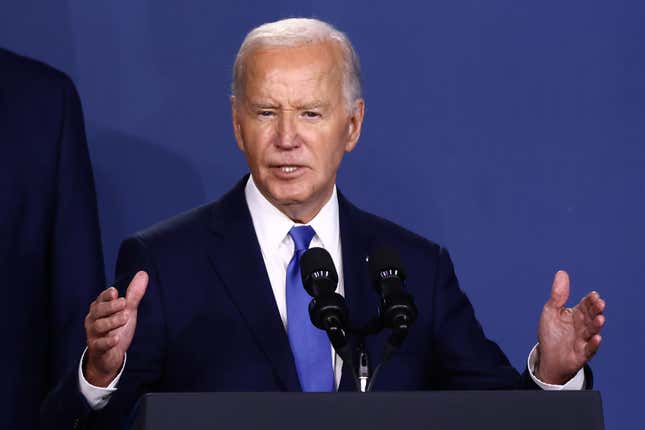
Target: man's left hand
x=568 y=337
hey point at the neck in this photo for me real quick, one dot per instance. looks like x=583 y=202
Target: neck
x=303 y=213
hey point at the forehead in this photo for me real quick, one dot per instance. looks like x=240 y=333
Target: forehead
x=294 y=72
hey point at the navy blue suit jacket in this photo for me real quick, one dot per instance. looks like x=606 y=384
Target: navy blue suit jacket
x=209 y=322
x=51 y=265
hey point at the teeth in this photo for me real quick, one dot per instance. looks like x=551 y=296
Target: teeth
x=288 y=169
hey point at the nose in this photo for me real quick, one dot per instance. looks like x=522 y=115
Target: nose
x=287 y=135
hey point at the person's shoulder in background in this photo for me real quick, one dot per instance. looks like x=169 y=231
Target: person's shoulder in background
x=52 y=259
x=19 y=73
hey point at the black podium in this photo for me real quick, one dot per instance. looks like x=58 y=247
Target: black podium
x=446 y=410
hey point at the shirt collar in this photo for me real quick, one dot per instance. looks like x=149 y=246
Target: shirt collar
x=272 y=226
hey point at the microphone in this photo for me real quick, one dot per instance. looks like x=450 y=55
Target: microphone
x=397 y=307
x=318 y=272
x=327 y=310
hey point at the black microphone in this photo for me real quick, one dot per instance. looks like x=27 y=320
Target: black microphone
x=327 y=310
x=318 y=272
x=398 y=310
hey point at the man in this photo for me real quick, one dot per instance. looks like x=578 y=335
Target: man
x=51 y=264
x=212 y=304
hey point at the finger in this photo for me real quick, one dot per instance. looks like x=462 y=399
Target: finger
x=596 y=304
x=592 y=305
x=590 y=301
x=600 y=305
x=559 y=290
x=592 y=346
x=136 y=290
x=107 y=295
x=582 y=326
x=597 y=324
x=103 y=344
x=105 y=309
x=105 y=325
x=590 y=328
x=586 y=306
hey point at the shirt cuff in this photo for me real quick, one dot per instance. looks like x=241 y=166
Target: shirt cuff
x=575 y=383
x=97 y=397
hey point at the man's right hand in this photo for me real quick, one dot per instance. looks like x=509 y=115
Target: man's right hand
x=109 y=328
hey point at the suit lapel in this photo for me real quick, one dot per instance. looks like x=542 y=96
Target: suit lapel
x=361 y=300
x=236 y=257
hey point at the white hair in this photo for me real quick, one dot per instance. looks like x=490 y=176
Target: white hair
x=294 y=32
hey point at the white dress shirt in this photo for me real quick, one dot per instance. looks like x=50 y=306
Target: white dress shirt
x=272 y=228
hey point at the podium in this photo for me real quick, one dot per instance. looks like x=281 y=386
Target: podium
x=428 y=410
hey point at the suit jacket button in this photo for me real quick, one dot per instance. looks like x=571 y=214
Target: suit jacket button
x=76 y=422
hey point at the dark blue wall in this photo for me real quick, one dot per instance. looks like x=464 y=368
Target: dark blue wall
x=511 y=132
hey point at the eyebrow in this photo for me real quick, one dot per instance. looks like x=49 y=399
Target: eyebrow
x=314 y=105
x=305 y=106
x=263 y=105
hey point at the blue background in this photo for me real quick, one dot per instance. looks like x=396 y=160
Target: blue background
x=510 y=132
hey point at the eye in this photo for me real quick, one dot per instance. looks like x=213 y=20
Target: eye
x=311 y=114
x=265 y=113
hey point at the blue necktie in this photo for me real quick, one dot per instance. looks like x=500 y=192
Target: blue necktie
x=310 y=346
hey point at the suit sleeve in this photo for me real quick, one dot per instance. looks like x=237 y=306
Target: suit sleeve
x=144 y=367
x=465 y=359
x=77 y=273
x=66 y=408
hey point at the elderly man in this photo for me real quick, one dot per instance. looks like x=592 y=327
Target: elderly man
x=212 y=304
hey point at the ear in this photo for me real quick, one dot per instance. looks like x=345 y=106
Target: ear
x=355 y=124
x=237 y=131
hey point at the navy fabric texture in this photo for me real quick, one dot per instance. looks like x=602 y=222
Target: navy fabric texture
x=51 y=265
x=209 y=322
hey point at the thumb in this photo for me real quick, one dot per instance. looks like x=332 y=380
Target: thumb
x=136 y=290
x=559 y=290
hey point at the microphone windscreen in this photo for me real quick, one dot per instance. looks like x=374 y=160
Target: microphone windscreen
x=316 y=260
x=382 y=259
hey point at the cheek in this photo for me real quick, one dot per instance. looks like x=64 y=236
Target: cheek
x=326 y=142
x=334 y=149
x=257 y=141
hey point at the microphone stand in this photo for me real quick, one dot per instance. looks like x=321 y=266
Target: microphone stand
x=374 y=326
x=391 y=346
x=399 y=324
x=339 y=339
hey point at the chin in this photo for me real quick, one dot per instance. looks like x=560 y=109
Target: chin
x=288 y=195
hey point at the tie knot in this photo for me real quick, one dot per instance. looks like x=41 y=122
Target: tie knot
x=302 y=236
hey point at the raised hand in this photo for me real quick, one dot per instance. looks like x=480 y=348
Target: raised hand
x=568 y=337
x=109 y=328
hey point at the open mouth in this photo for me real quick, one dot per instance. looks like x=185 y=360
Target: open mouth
x=288 y=171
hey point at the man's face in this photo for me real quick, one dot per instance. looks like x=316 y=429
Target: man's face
x=294 y=126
